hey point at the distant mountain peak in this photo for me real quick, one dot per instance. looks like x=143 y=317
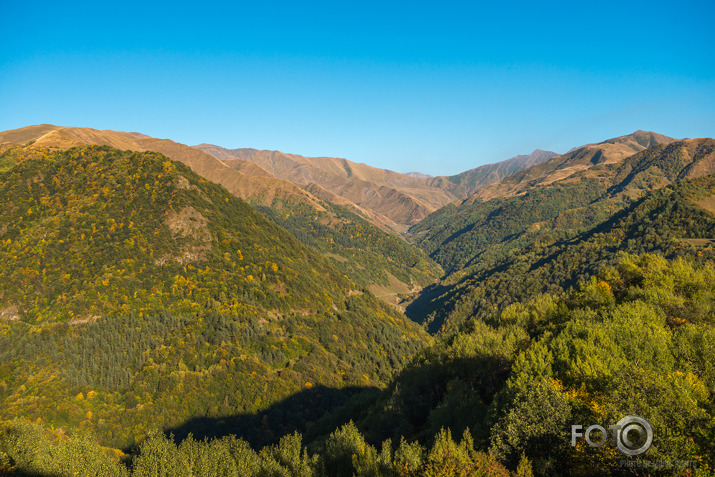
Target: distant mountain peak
x=418 y=175
x=468 y=182
x=643 y=138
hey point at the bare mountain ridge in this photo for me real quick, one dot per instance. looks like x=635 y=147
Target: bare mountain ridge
x=468 y=182
x=387 y=197
x=580 y=159
x=418 y=175
x=390 y=200
x=397 y=200
x=246 y=181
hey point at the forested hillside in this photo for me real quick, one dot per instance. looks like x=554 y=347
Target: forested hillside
x=458 y=236
x=354 y=243
x=671 y=221
x=637 y=338
x=145 y=309
x=135 y=294
x=475 y=241
x=370 y=257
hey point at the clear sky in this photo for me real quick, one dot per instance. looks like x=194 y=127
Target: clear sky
x=438 y=87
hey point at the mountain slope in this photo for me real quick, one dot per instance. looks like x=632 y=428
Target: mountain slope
x=398 y=199
x=384 y=263
x=634 y=339
x=672 y=220
x=468 y=182
x=368 y=263
x=459 y=235
x=611 y=151
x=51 y=222
x=519 y=347
x=391 y=199
x=255 y=186
x=134 y=293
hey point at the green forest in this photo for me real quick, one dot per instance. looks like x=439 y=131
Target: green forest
x=140 y=293
x=360 y=250
x=153 y=324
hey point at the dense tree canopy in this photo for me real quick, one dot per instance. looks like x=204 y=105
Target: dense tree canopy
x=134 y=293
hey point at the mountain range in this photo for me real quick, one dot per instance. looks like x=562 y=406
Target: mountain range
x=389 y=199
x=578 y=159
x=475 y=238
x=289 y=315
x=248 y=184
x=368 y=255
x=394 y=200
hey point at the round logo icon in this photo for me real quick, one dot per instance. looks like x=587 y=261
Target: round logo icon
x=634 y=436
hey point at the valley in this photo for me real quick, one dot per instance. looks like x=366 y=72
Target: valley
x=264 y=313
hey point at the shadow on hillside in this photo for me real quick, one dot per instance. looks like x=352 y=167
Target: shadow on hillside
x=413 y=406
x=410 y=407
x=23 y=473
x=425 y=304
x=298 y=412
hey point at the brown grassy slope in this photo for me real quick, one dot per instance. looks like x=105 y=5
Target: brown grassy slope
x=607 y=152
x=387 y=197
x=244 y=181
x=26 y=134
x=391 y=198
x=232 y=159
x=468 y=182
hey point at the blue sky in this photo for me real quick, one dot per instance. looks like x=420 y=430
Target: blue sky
x=438 y=87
